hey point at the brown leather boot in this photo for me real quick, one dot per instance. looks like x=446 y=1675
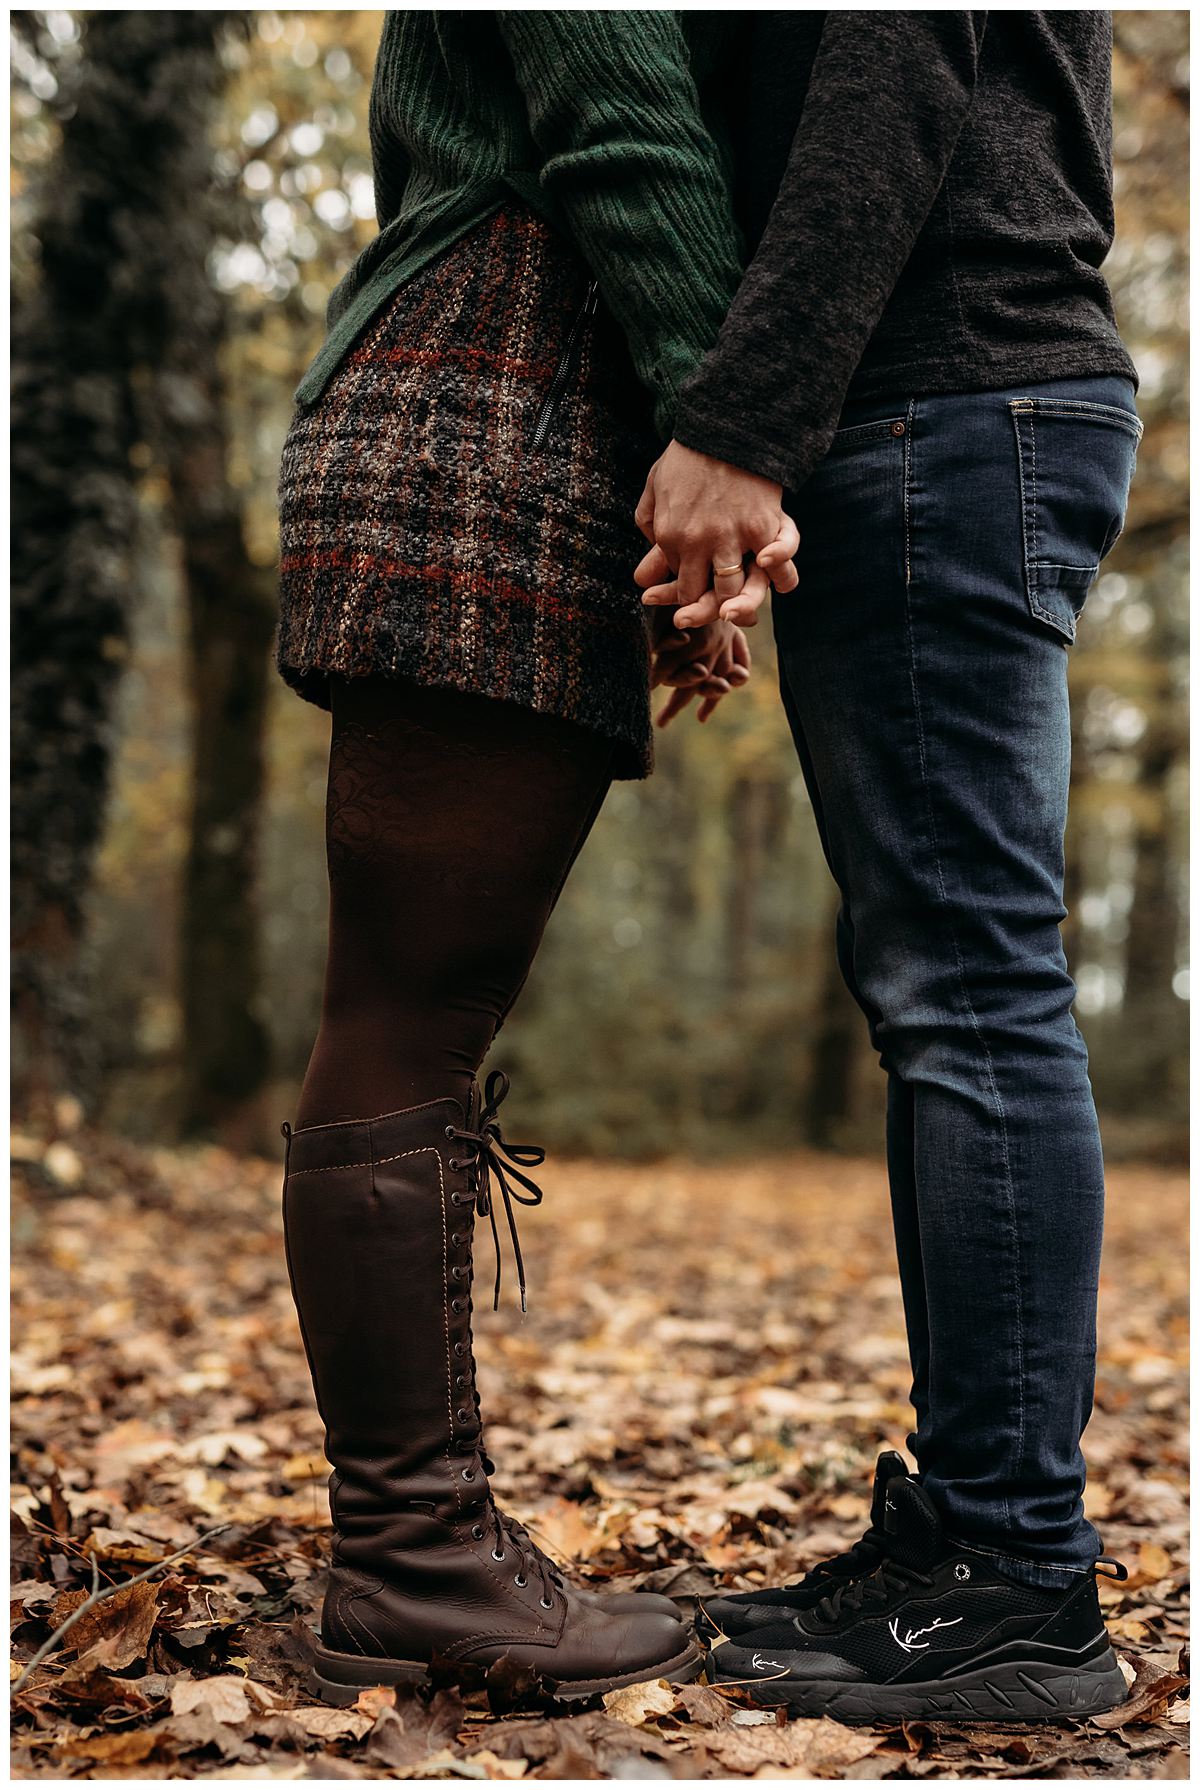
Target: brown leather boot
x=378 y=1220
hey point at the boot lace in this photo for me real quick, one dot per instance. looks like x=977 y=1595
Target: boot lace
x=494 y=1155
x=505 y=1533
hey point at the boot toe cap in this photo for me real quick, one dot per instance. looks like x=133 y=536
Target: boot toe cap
x=646 y=1602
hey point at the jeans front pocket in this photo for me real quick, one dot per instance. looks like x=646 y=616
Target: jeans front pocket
x=1075 y=461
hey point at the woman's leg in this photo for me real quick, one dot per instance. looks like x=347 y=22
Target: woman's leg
x=452 y=823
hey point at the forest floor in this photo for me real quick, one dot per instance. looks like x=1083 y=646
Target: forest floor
x=713 y=1357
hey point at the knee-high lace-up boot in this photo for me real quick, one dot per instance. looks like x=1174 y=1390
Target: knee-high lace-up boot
x=378 y=1218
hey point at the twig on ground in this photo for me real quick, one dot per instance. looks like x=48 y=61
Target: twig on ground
x=96 y=1596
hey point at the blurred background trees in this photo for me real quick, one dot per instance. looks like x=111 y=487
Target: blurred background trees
x=187 y=189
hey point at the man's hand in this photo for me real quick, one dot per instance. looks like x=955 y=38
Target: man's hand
x=706 y=663
x=702 y=517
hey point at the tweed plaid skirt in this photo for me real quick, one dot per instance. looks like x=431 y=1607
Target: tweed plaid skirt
x=457 y=506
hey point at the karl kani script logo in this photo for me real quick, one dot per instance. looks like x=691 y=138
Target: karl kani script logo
x=761 y=1665
x=911 y=1639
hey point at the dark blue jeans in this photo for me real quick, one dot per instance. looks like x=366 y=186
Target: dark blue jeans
x=947 y=547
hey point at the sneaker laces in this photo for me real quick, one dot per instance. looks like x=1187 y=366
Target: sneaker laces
x=495 y=1156
x=888 y=1577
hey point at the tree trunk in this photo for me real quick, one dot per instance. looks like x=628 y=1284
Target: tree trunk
x=96 y=313
x=231 y=616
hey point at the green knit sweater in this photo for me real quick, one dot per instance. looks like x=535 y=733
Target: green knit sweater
x=606 y=123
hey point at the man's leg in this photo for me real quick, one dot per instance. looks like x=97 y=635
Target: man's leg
x=924 y=660
x=906 y=1224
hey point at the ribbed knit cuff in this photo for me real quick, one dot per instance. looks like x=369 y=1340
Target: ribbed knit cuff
x=742 y=441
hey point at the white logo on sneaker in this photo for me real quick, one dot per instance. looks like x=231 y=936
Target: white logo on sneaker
x=888 y=1505
x=911 y=1640
x=761 y=1665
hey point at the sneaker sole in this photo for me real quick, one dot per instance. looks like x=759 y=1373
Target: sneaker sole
x=340 y=1678
x=1012 y=1691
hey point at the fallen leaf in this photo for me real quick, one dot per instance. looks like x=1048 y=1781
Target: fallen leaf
x=224 y=1699
x=636 y=1703
x=113 y=1749
x=325 y=1723
x=800 y=1748
x=115 y=1632
x=1152 y=1691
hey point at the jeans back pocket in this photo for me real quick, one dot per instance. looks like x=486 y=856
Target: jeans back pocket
x=1076 y=461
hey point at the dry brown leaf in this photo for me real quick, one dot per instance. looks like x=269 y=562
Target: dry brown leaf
x=493 y=1767
x=637 y=1703
x=800 y=1747
x=301 y=1467
x=116 y=1632
x=375 y=1699
x=325 y=1723
x=1152 y=1564
x=1152 y=1691
x=224 y=1699
x=113 y=1749
x=566 y=1533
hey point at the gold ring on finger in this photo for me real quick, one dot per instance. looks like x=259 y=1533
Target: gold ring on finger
x=729 y=571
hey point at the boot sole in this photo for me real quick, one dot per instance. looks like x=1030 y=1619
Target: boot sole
x=339 y=1678
x=1012 y=1691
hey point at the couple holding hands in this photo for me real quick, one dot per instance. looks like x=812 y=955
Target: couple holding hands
x=846 y=266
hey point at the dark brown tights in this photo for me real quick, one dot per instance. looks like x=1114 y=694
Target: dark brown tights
x=451 y=825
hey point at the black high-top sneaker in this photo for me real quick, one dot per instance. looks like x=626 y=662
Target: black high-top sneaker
x=733 y=1613
x=934 y=1631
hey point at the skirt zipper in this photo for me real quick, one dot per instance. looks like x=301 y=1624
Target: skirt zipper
x=566 y=361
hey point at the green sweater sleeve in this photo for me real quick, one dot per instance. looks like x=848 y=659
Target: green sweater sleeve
x=630 y=166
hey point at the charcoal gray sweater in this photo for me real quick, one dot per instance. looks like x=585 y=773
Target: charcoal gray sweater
x=928 y=199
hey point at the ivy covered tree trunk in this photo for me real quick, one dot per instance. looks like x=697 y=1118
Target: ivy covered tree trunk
x=116 y=200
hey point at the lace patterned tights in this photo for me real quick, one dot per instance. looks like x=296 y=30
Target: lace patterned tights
x=451 y=825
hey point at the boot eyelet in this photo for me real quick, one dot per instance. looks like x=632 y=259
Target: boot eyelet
x=456 y=1273
x=460 y=1380
x=456 y=1305
x=454 y=1165
x=457 y=1239
x=547 y=1603
x=468 y=1472
x=449 y=1131
x=460 y=1349
x=477 y=1533
x=462 y=1415
x=521 y=1580
x=496 y=1556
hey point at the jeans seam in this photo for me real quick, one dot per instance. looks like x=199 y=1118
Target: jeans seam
x=1025 y=432
x=958 y=956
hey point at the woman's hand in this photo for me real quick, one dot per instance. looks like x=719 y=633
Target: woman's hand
x=771 y=567
x=706 y=662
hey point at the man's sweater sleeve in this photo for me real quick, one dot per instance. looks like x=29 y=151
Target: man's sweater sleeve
x=637 y=177
x=888 y=96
